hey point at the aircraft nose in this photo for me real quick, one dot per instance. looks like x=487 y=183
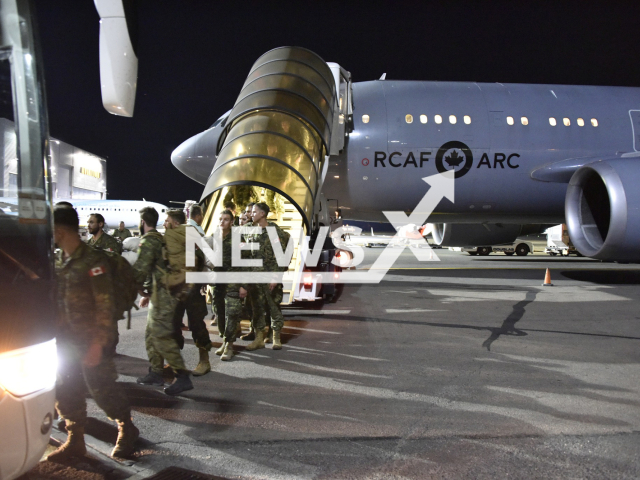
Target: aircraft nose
x=196 y=156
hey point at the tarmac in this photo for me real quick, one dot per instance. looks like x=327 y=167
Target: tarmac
x=464 y=367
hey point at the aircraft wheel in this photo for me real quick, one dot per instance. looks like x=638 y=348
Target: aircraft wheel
x=522 y=249
x=508 y=253
x=484 y=251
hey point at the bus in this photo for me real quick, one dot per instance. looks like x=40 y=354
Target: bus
x=28 y=357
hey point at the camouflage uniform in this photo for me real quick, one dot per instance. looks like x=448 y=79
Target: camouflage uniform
x=85 y=307
x=126 y=233
x=254 y=304
x=232 y=300
x=159 y=335
x=271 y=299
x=195 y=306
x=106 y=242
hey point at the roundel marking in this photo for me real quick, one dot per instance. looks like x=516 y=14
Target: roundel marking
x=365 y=161
x=453 y=160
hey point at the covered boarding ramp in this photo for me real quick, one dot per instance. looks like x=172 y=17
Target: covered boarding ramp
x=278 y=137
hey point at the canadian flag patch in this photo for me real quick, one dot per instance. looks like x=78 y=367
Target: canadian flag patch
x=96 y=271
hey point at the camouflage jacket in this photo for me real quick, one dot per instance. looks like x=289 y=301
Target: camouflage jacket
x=150 y=264
x=265 y=252
x=85 y=297
x=126 y=233
x=106 y=242
x=226 y=264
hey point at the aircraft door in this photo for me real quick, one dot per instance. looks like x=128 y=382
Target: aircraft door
x=635 y=128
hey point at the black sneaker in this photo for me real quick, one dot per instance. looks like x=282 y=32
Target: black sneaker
x=151 y=378
x=182 y=384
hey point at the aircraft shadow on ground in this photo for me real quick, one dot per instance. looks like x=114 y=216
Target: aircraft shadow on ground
x=604 y=277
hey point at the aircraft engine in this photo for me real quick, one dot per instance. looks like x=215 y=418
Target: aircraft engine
x=475 y=235
x=602 y=210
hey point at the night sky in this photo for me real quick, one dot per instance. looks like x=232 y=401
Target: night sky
x=195 y=55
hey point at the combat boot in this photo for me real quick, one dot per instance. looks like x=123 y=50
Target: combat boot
x=220 y=351
x=73 y=447
x=182 y=383
x=128 y=433
x=151 y=378
x=203 y=365
x=277 y=345
x=267 y=334
x=257 y=343
x=249 y=336
x=228 y=351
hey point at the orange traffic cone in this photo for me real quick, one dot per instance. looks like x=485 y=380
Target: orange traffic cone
x=547 y=279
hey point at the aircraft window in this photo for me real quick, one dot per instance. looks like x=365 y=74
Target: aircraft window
x=594 y=122
x=580 y=122
x=524 y=120
x=467 y=119
x=510 y=120
x=552 y=121
x=452 y=119
x=408 y=118
x=566 y=122
x=423 y=119
x=438 y=119
x=365 y=118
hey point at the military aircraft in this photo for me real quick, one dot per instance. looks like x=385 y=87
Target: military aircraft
x=524 y=156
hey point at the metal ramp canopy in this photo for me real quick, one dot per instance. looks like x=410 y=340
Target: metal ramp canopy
x=286 y=217
x=278 y=134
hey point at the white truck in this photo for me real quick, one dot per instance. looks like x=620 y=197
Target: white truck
x=559 y=243
x=519 y=247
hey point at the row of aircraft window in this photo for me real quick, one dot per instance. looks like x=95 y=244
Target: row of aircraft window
x=510 y=120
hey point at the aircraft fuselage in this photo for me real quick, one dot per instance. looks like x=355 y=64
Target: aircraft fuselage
x=502 y=134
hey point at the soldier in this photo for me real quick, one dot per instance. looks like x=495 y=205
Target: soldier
x=234 y=293
x=194 y=303
x=254 y=304
x=159 y=335
x=122 y=233
x=271 y=294
x=86 y=329
x=100 y=239
x=196 y=218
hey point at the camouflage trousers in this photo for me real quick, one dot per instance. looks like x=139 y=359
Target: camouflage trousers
x=74 y=380
x=159 y=336
x=232 y=310
x=268 y=302
x=196 y=308
x=217 y=305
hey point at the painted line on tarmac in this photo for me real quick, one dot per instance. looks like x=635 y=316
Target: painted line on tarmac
x=291 y=313
x=411 y=310
x=312 y=330
x=481 y=281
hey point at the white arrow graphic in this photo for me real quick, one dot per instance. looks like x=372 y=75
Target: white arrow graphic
x=442 y=186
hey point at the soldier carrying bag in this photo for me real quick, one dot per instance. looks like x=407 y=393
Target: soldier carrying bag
x=125 y=287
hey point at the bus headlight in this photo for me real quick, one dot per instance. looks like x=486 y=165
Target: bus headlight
x=29 y=369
